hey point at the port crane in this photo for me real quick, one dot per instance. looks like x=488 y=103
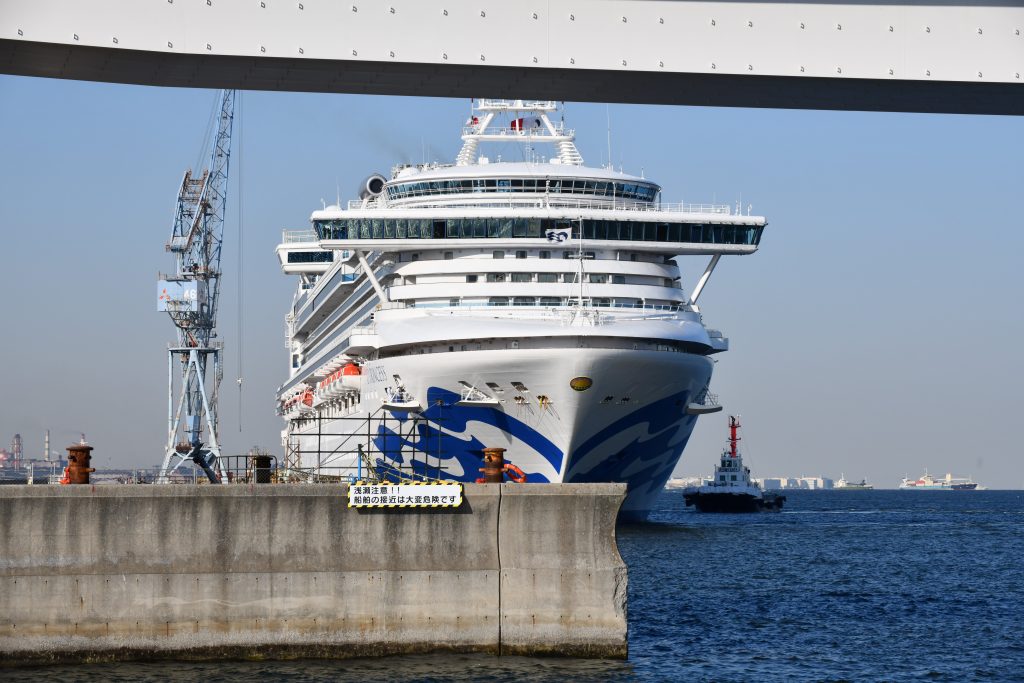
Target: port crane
x=190 y=297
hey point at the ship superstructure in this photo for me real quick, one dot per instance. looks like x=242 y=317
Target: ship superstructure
x=533 y=305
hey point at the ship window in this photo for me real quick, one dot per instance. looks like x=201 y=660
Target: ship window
x=498 y=254
x=416 y=257
x=523 y=301
x=522 y=277
x=498 y=301
x=439 y=227
x=495 y=277
x=448 y=255
x=310 y=257
x=550 y=301
x=721 y=478
x=471 y=278
x=521 y=253
x=454 y=302
x=601 y=302
x=597 y=277
x=547 y=277
x=479 y=226
x=545 y=254
x=618 y=279
x=569 y=277
x=733 y=478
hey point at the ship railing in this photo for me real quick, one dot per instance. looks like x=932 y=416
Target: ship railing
x=534 y=133
x=707 y=399
x=661 y=309
x=487 y=104
x=566 y=314
x=539 y=201
x=294 y=236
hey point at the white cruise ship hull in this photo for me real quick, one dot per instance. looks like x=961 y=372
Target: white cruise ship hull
x=631 y=425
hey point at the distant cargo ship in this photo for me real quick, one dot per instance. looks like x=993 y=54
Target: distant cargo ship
x=850 y=486
x=929 y=483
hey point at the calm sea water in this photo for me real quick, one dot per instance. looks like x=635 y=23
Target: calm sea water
x=858 y=586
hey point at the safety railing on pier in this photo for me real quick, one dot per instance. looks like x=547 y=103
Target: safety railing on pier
x=378 y=447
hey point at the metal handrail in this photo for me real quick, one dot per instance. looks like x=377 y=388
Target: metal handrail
x=507 y=131
x=292 y=236
x=512 y=200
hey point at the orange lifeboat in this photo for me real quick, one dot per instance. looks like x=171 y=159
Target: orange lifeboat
x=351 y=376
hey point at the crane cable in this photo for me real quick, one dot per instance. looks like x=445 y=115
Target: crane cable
x=241 y=271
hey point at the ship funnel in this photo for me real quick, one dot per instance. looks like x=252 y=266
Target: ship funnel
x=372 y=186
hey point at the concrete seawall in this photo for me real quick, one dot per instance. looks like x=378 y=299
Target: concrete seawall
x=91 y=573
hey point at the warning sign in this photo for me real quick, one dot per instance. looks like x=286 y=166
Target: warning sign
x=426 y=494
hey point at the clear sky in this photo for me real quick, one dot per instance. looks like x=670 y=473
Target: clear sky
x=877 y=331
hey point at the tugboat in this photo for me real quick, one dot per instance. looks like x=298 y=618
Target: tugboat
x=731 y=489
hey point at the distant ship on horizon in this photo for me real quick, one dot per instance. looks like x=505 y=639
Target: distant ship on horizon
x=863 y=485
x=929 y=483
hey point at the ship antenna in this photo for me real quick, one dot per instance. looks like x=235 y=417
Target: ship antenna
x=608 y=119
x=734 y=425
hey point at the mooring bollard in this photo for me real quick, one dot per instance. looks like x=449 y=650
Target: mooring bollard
x=78 y=468
x=494 y=466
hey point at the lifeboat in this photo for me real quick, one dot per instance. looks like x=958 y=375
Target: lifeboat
x=351 y=377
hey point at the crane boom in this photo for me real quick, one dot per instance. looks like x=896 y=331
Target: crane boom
x=190 y=297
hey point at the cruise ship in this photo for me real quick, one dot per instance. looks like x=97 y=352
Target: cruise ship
x=533 y=304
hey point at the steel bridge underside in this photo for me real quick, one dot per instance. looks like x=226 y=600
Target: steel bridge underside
x=953 y=56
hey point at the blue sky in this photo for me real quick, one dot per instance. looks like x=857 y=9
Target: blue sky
x=875 y=333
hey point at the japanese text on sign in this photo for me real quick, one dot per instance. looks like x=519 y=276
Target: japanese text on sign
x=426 y=494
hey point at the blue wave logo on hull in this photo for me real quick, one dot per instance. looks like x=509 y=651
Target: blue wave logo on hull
x=443 y=438
x=435 y=437
x=644 y=464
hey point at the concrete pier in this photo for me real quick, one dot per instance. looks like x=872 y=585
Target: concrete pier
x=96 y=573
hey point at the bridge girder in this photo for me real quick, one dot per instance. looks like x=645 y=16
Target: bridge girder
x=887 y=56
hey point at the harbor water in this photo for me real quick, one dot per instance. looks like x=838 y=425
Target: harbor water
x=842 y=585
